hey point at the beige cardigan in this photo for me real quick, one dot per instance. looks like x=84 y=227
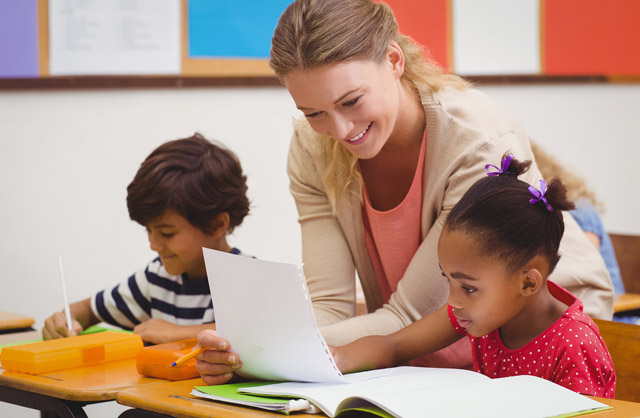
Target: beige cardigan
x=465 y=130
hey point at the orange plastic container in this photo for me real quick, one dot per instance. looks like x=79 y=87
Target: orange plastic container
x=155 y=361
x=67 y=353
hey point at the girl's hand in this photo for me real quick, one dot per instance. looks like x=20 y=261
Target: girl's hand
x=216 y=365
x=56 y=327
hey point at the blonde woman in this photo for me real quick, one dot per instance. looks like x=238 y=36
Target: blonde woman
x=387 y=146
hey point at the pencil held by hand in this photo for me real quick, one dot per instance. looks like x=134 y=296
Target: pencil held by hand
x=189 y=356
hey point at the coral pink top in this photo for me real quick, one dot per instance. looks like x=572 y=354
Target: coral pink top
x=393 y=236
x=570 y=352
x=392 y=239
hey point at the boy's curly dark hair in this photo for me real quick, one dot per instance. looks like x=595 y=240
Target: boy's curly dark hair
x=193 y=176
x=496 y=211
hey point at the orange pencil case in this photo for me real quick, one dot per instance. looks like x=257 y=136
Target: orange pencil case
x=67 y=353
x=155 y=361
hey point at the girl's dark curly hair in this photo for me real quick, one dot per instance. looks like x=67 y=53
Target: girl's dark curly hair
x=497 y=212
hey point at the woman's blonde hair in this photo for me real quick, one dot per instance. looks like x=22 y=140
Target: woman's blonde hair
x=550 y=168
x=316 y=33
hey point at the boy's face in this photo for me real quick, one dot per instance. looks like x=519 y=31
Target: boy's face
x=179 y=244
x=484 y=295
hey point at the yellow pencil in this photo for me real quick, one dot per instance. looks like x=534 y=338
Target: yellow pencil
x=189 y=356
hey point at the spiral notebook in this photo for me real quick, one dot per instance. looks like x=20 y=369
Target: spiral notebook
x=264 y=310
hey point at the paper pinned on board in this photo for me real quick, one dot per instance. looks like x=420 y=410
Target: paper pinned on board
x=114 y=37
x=264 y=310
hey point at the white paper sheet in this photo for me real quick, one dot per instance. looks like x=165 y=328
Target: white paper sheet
x=264 y=310
x=114 y=37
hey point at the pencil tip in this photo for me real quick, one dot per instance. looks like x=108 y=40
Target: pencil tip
x=174 y=364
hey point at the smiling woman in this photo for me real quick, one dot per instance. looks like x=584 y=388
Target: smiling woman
x=387 y=146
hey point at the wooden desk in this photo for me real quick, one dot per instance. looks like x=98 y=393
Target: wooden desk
x=626 y=302
x=65 y=392
x=9 y=321
x=173 y=399
x=19 y=336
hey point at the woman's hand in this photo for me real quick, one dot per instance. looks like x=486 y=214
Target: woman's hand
x=216 y=365
x=56 y=327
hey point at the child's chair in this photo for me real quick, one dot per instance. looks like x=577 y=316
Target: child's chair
x=623 y=342
x=627 y=250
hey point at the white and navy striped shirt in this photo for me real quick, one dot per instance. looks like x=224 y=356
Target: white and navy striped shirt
x=154 y=293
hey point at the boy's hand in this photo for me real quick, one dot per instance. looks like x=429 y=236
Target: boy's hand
x=56 y=327
x=216 y=365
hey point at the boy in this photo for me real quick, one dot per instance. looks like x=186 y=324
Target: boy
x=188 y=194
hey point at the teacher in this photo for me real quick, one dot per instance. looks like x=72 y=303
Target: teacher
x=387 y=146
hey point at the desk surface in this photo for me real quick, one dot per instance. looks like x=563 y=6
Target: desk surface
x=174 y=399
x=19 y=337
x=87 y=384
x=626 y=302
x=14 y=321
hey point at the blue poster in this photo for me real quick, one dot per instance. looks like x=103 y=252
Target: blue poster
x=232 y=29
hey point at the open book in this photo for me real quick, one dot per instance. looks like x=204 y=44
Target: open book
x=415 y=392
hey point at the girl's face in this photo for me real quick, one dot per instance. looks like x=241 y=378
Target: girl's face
x=484 y=295
x=355 y=102
x=179 y=244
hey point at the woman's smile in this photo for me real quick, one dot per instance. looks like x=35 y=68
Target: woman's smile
x=360 y=138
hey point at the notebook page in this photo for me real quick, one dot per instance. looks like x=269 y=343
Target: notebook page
x=264 y=310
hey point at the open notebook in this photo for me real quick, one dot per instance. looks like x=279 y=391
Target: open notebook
x=414 y=392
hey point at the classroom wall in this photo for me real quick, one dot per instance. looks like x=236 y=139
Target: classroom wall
x=66 y=158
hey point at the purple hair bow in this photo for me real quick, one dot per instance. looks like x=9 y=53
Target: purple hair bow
x=539 y=195
x=504 y=166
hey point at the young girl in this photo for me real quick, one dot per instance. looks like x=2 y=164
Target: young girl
x=498 y=246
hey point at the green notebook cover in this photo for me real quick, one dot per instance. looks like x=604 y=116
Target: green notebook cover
x=229 y=394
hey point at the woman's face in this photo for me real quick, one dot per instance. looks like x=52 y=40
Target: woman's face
x=355 y=102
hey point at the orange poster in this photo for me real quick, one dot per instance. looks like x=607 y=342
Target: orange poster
x=426 y=21
x=591 y=37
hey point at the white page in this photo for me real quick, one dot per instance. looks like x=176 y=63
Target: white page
x=374 y=383
x=508 y=397
x=264 y=310
x=114 y=37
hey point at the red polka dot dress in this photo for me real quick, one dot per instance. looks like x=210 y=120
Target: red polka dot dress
x=570 y=352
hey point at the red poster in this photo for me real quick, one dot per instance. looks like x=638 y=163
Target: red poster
x=428 y=22
x=591 y=37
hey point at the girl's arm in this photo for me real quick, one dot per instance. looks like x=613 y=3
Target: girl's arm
x=430 y=333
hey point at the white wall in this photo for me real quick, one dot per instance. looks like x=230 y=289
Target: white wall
x=66 y=158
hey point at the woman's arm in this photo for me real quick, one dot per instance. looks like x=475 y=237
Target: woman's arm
x=425 y=336
x=328 y=263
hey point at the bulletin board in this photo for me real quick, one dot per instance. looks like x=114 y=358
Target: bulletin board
x=227 y=43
